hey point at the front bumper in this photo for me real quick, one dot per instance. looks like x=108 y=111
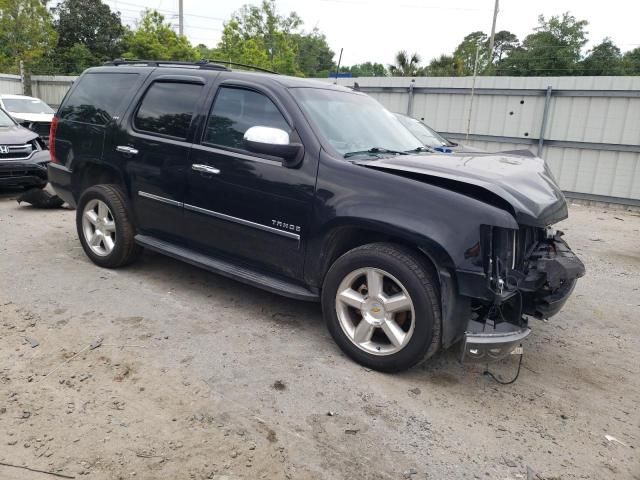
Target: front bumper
x=24 y=173
x=550 y=274
x=482 y=344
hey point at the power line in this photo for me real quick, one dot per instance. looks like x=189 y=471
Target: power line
x=429 y=7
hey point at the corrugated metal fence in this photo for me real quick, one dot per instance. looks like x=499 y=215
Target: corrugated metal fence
x=587 y=128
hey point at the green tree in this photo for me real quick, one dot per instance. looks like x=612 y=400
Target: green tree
x=631 y=62
x=406 y=65
x=444 y=66
x=258 y=35
x=554 y=49
x=504 y=43
x=603 y=59
x=366 y=69
x=155 y=39
x=314 y=56
x=90 y=24
x=26 y=33
x=465 y=53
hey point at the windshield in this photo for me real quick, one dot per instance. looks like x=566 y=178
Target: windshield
x=353 y=122
x=26 y=105
x=5 y=120
x=425 y=134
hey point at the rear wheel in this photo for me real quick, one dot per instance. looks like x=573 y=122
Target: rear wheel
x=105 y=228
x=381 y=306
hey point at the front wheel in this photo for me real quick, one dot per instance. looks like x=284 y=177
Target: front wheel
x=381 y=306
x=105 y=228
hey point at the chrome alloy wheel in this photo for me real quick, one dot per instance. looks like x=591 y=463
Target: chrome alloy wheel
x=99 y=227
x=375 y=311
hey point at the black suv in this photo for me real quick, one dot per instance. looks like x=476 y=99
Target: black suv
x=318 y=193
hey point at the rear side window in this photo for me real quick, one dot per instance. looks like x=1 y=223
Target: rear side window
x=98 y=97
x=167 y=108
x=235 y=110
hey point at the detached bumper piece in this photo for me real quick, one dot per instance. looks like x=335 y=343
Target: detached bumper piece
x=552 y=275
x=483 y=343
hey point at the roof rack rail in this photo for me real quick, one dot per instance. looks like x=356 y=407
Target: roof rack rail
x=235 y=64
x=203 y=64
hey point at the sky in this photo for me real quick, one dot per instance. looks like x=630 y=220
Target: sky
x=375 y=30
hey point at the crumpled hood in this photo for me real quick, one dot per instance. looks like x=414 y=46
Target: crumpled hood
x=525 y=183
x=32 y=117
x=16 y=135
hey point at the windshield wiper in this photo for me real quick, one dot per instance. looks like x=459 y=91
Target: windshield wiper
x=375 y=150
x=421 y=149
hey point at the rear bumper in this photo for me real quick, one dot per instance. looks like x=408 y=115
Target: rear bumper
x=60 y=179
x=494 y=344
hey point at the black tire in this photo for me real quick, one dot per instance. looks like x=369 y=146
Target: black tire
x=125 y=250
x=419 y=280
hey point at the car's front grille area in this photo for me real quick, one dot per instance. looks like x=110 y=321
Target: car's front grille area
x=16 y=152
x=17 y=172
x=41 y=128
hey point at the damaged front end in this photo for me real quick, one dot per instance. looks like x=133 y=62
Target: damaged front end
x=530 y=272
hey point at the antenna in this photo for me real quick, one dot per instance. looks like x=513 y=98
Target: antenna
x=338 y=69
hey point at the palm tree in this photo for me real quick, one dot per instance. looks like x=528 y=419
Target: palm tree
x=405 y=66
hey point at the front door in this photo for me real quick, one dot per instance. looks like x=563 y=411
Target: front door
x=242 y=204
x=156 y=147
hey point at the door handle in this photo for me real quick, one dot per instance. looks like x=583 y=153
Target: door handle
x=126 y=150
x=205 y=169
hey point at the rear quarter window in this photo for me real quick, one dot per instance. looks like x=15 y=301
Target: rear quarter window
x=98 y=97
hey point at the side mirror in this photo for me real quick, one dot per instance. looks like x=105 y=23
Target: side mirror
x=274 y=142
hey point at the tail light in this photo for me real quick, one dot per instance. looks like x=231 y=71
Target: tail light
x=52 y=140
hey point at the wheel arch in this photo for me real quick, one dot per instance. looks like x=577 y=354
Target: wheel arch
x=95 y=172
x=345 y=236
x=341 y=238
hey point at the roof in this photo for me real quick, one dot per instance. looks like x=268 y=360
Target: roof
x=258 y=77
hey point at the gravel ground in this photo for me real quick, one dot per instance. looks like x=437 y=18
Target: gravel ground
x=202 y=377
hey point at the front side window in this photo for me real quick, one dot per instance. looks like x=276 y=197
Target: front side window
x=234 y=111
x=353 y=122
x=98 y=97
x=167 y=108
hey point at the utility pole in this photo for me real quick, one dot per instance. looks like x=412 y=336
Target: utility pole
x=181 y=18
x=473 y=91
x=493 y=31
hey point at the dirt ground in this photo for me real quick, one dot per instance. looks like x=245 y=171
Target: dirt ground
x=200 y=377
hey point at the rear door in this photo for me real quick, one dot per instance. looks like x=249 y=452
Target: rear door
x=155 y=144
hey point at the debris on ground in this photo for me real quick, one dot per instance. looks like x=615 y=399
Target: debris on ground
x=613 y=439
x=59 y=475
x=279 y=385
x=40 y=198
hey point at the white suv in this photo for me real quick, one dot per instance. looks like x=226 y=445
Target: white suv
x=29 y=112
